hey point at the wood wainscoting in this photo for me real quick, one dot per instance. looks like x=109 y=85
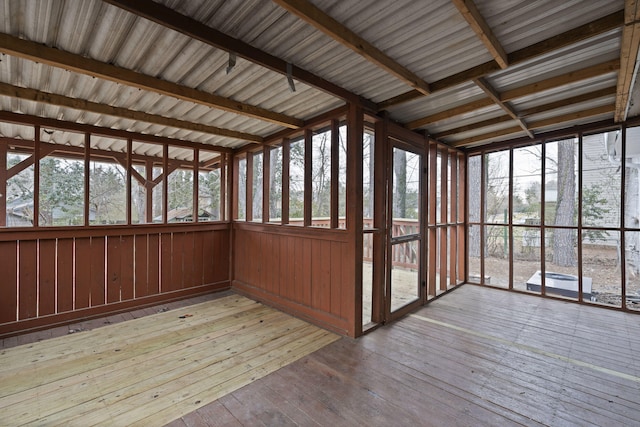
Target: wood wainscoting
x=303 y=271
x=53 y=276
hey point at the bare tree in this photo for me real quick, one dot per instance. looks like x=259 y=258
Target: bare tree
x=564 y=239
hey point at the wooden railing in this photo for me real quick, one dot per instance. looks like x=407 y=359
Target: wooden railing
x=50 y=276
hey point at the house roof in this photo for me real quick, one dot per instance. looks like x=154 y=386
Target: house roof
x=229 y=73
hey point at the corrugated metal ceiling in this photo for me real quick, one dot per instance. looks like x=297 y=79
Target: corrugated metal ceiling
x=429 y=38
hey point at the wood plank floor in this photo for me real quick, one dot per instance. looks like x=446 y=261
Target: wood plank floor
x=475 y=357
x=151 y=370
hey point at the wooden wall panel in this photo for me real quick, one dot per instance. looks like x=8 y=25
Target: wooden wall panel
x=188 y=261
x=54 y=276
x=221 y=263
x=198 y=259
x=126 y=267
x=141 y=277
x=283 y=282
x=47 y=275
x=98 y=271
x=208 y=256
x=9 y=283
x=64 y=264
x=336 y=278
x=321 y=275
x=28 y=279
x=153 y=266
x=177 y=257
x=114 y=270
x=301 y=271
x=165 y=263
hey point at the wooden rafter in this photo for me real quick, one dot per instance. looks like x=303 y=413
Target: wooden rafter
x=530 y=89
x=477 y=22
x=495 y=97
x=599 y=26
x=58 y=58
x=325 y=23
x=590 y=112
x=530 y=111
x=94 y=107
x=628 y=57
x=188 y=26
x=563 y=79
x=10 y=117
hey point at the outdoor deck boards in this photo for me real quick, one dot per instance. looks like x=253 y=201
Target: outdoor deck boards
x=477 y=356
x=150 y=370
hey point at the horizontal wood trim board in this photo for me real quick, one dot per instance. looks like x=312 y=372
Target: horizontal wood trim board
x=319 y=233
x=32 y=325
x=46 y=233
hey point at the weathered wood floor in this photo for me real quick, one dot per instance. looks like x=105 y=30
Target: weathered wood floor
x=475 y=357
x=150 y=370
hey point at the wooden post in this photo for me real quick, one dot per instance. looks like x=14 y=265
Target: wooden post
x=148 y=189
x=355 y=130
x=266 y=182
x=286 y=160
x=36 y=177
x=165 y=182
x=196 y=184
x=3 y=185
x=308 y=176
x=335 y=171
x=128 y=180
x=249 y=191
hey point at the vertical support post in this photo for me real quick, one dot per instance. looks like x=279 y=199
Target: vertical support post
x=335 y=172
x=226 y=183
x=453 y=215
x=128 y=178
x=148 y=189
x=249 y=192
x=379 y=219
x=444 y=167
x=196 y=184
x=234 y=182
x=266 y=182
x=87 y=177
x=3 y=185
x=462 y=215
x=355 y=130
x=308 y=176
x=36 y=177
x=286 y=164
x=165 y=182
x=433 y=229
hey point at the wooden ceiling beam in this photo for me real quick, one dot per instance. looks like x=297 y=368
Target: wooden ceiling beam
x=628 y=57
x=447 y=114
x=188 y=26
x=473 y=126
x=139 y=116
x=591 y=112
x=561 y=80
x=528 y=112
x=530 y=89
x=24 y=119
x=58 y=58
x=478 y=24
x=495 y=97
x=583 y=32
x=325 y=23
x=596 y=94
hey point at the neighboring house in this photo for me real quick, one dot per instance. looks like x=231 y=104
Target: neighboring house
x=20 y=214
